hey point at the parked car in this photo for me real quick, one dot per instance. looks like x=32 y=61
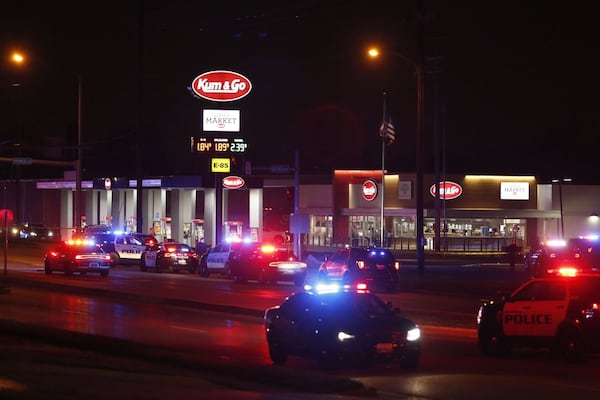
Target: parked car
x=334 y=324
x=375 y=266
x=81 y=256
x=169 y=256
x=217 y=260
x=128 y=247
x=267 y=263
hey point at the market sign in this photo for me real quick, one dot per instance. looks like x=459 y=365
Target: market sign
x=221 y=120
x=233 y=182
x=369 y=190
x=514 y=190
x=448 y=190
x=221 y=85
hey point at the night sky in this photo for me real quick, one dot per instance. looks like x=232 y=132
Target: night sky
x=512 y=85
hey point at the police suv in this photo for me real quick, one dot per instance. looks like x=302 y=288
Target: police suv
x=128 y=248
x=558 y=312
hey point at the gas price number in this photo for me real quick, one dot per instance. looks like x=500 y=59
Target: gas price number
x=218 y=145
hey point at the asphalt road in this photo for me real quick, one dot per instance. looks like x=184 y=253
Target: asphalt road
x=52 y=356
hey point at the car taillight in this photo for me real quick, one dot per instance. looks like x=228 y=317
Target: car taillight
x=267 y=248
x=591 y=311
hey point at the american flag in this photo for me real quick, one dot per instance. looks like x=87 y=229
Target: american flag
x=387 y=132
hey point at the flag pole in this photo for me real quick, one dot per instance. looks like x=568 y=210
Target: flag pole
x=382 y=134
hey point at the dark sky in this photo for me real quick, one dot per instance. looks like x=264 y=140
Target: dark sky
x=516 y=83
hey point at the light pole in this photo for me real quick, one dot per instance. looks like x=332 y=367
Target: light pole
x=560 y=200
x=419 y=128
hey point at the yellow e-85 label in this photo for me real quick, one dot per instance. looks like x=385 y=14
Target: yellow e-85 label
x=220 y=165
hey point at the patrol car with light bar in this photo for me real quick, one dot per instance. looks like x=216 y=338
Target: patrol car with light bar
x=81 y=256
x=559 y=313
x=332 y=324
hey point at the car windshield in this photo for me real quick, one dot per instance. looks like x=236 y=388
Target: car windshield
x=380 y=256
x=586 y=288
x=352 y=304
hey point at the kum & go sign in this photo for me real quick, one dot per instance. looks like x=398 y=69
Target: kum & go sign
x=221 y=85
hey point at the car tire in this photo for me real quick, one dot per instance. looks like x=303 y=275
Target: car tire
x=104 y=274
x=116 y=260
x=68 y=271
x=570 y=345
x=277 y=353
x=491 y=341
x=410 y=361
x=47 y=268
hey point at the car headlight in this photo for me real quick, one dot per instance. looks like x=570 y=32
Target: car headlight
x=413 y=334
x=343 y=336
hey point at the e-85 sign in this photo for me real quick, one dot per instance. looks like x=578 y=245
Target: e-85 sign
x=220 y=165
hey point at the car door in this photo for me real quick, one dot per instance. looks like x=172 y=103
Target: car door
x=217 y=257
x=536 y=309
x=129 y=247
x=150 y=256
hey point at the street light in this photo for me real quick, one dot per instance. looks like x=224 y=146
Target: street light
x=560 y=200
x=417 y=64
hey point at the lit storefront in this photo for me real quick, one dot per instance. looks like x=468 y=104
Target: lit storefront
x=473 y=212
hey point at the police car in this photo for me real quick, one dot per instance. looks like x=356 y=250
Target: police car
x=376 y=266
x=169 y=256
x=559 y=313
x=128 y=248
x=218 y=259
x=334 y=324
x=77 y=256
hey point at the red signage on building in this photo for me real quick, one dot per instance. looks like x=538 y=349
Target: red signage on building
x=233 y=182
x=369 y=190
x=221 y=86
x=448 y=190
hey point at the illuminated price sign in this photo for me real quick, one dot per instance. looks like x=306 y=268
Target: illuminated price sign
x=218 y=145
x=220 y=165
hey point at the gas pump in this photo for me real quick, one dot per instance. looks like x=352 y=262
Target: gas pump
x=233 y=230
x=197 y=230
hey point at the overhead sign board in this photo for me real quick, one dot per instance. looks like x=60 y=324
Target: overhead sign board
x=221 y=85
x=221 y=120
x=220 y=165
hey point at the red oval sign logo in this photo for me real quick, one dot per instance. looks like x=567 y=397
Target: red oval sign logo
x=448 y=190
x=369 y=190
x=233 y=182
x=221 y=86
